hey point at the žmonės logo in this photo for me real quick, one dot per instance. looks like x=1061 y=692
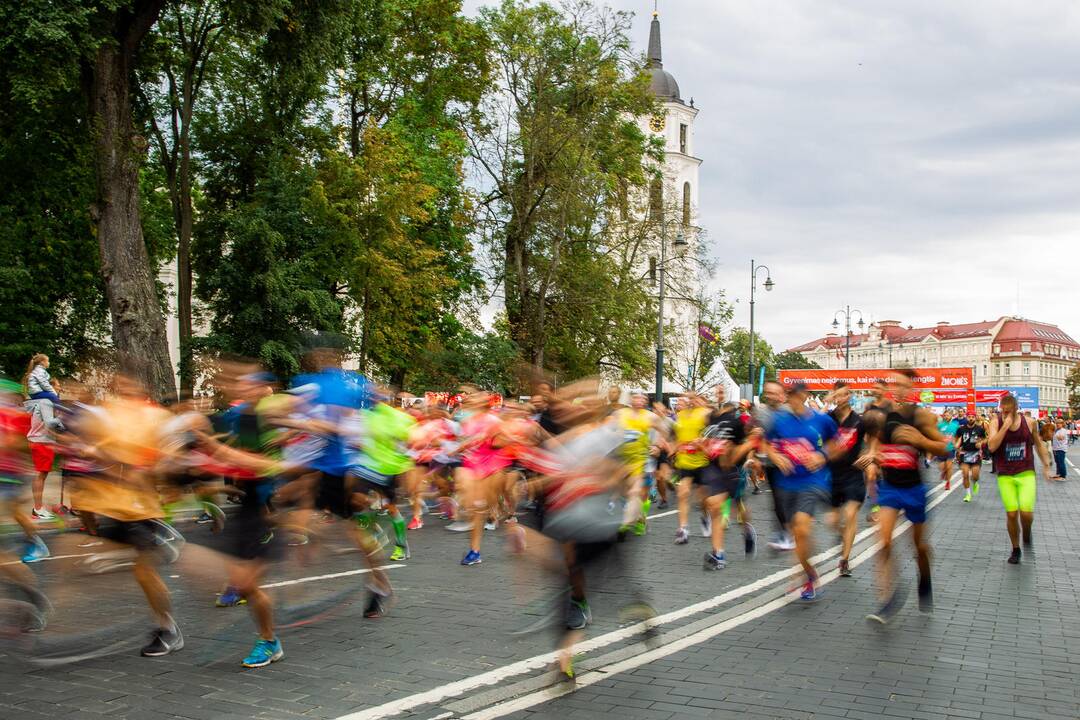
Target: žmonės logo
x=954 y=382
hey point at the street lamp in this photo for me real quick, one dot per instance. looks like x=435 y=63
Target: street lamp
x=769 y=285
x=847 y=312
x=680 y=246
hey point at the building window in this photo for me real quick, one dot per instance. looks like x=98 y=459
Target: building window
x=686 y=203
x=1027 y=368
x=997 y=349
x=656 y=200
x=1008 y=368
x=1025 y=347
x=682 y=138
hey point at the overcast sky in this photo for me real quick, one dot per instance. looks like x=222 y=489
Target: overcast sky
x=914 y=159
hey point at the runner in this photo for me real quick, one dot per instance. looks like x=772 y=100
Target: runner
x=947 y=426
x=848 y=483
x=1013 y=437
x=901 y=432
x=970 y=439
x=690 y=461
x=772 y=398
x=800 y=443
x=636 y=422
x=727 y=446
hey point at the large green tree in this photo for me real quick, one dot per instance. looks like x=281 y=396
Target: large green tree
x=736 y=353
x=562 y=149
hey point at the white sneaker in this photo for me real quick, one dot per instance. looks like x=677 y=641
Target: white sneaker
x=706 y=525
x=459 y=526
x=42 y=514
x=490 y=525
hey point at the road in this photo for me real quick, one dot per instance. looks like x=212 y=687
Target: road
x=729 y=644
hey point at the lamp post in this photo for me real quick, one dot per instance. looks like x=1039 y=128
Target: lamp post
x=679 y=245
x=847 y=312
x=769 y=284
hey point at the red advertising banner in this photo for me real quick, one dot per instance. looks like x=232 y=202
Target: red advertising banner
x=960 y=379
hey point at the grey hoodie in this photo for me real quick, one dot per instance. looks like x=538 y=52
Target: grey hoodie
x=43 y=420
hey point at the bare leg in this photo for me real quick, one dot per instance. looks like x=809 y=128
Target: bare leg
x=38 y=488
x=157 y=594
x=851 y=521
x=886 y=522
x=922 y=550
x=1012 y=525
x=1026 y=518
x=682 y=492
x=801 y=528
x=714 y=504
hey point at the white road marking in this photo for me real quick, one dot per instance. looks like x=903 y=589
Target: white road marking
x=315 y=578
x=52 y=557
x=603 y=673
x=663 y=514
x=492 y=677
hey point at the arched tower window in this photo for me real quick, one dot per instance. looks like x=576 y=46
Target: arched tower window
x=686 y=203
x=656 y=200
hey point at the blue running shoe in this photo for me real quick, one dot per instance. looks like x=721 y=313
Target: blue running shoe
x=230 y=598
x=472 y=558
x=810 y=592
x=36 y=551
x=264 y=653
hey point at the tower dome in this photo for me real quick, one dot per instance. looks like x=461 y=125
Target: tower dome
x=661 y=83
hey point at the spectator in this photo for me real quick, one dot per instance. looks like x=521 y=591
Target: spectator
x=43 y=423
x=1059 y=444
x=36 y=379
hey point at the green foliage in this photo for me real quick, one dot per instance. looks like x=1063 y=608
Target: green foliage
x=461 y=355
x=736 y=353
x=1072 y=382
x=791 y=360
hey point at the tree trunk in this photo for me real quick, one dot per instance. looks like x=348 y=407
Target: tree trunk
x=137 y=319
x=183 y=246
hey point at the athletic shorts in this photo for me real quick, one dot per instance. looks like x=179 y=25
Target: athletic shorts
x=334 y=494
x=848 y=487
x=367 y=481
x=806 y=500
x=910 y=500
x=663 y=458
x=718 y=480
x=695 y=475
x=970 y=458
x=143 y=535
x=943 y=458
x=1018 y=491
x=43 y=455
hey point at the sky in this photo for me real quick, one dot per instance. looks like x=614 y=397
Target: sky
x=916 y=160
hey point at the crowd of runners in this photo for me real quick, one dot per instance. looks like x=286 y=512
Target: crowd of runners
x=570 y=476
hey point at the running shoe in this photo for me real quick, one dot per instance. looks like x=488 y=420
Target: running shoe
x=36 y=551
x=682 y=536
x=889 y=609
x=926 y=596
x=1014 y=558
x=163 y=642
x=750 y=540
x=715 y=561
x=400 y=553
x=204 y=518
x=810 y=592
x=967 y=496
x=230 y=598
x=491 y=525
x=706 y=525
x=415 y=524
x=41 y=514
x=640 y=527
x=472 y=558
x=782 y=543
x=459 y=526
x=845 y=568
x=264 y=653
x=948 y=484
x=662 y=504
x=376 y=606
x=578 y=615
x=975 y=488
x=871 y=516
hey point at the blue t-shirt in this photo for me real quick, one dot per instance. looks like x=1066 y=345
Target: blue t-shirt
x=949 y=430
x=341 y=392
x=796 y=437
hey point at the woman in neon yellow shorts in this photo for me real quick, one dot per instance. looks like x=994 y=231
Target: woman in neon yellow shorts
x=1013 y=440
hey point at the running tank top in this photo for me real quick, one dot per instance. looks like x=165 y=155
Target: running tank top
x=1014 y=455
x=899 y=462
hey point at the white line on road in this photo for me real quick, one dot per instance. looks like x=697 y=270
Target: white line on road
x=314 y=578
x=52 y=557
x=492 y=677
x=603 y=673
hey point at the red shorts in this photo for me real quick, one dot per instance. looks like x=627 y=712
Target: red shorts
x=43 y=456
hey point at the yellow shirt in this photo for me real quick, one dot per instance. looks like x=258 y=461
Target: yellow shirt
x=636 y=451
x=689 y=425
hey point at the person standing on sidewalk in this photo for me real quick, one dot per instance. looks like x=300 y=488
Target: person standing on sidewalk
x=1059 y=445
x=1014 y=440
x=43 y=423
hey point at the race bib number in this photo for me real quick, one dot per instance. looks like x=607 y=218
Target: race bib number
x=847 y=438
x=899 y=457
x=799 y=451
x=1015 y=452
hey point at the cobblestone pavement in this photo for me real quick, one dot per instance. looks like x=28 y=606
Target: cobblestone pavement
x=469 y=642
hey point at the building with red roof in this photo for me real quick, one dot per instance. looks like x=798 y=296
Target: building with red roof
x=1007 y=352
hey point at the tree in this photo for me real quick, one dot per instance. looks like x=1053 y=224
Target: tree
x=1072 y=382
x=78 y=58
x=561 y=148
x=736 y=354
x=693 y=363
x=791 y=360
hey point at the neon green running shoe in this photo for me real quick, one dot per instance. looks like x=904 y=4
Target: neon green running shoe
x=640 y=527
x=400 y=553
x=975 y=488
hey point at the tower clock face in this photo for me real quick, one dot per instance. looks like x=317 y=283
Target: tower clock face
x=657 y=122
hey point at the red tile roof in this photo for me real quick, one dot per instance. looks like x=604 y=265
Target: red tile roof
x=1013 y=330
